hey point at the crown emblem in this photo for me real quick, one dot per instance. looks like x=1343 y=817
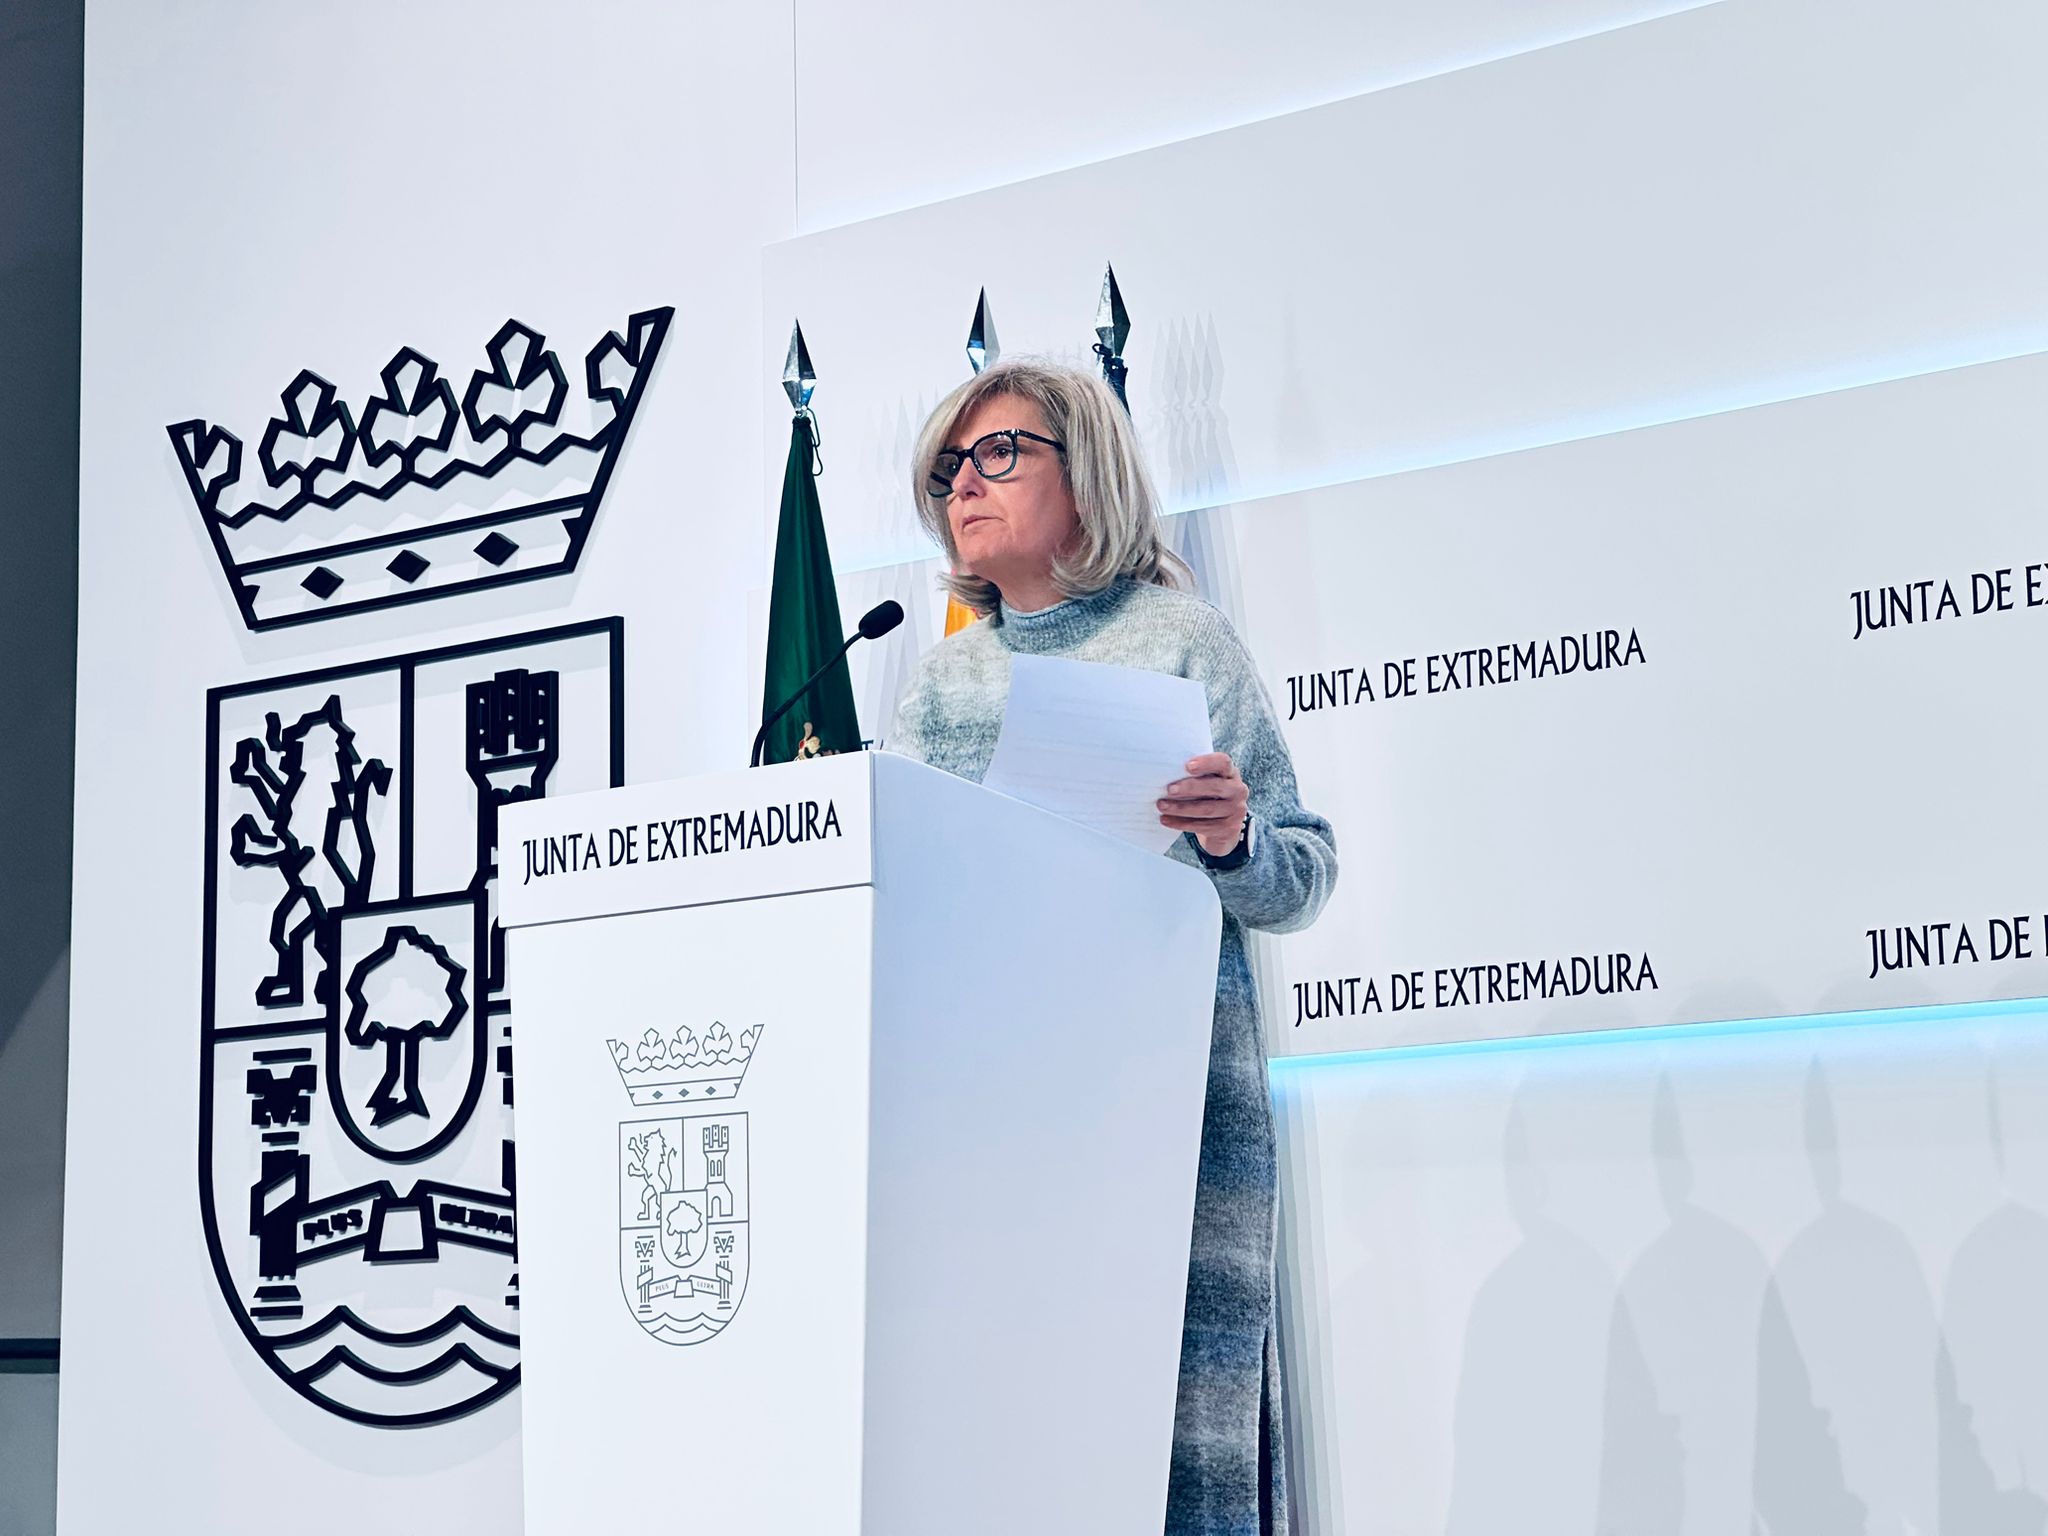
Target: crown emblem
x=658 y=1071
x=425 y=494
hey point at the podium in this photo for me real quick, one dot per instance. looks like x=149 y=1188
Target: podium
x=858 y=1114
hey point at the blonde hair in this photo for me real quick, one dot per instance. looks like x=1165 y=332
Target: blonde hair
x=1113 y=496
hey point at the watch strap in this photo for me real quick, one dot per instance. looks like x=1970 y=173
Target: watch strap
x=1235 y=859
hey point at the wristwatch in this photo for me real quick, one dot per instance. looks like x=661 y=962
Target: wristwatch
x=1237 y=857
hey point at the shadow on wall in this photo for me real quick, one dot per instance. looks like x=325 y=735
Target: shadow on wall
x=1845 y=1365
x=1681 y=1397
x=1527 y=1416
x=1188 y=435
x=1186 y=429
x=1711 y=1392
x=1800 y=1478
x=1852 y=1315
x=1991 y=1371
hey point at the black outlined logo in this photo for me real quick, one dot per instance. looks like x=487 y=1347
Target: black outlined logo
x=356 y=1161
x=426 y=494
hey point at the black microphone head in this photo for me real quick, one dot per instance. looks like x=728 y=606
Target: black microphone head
x=880 y=619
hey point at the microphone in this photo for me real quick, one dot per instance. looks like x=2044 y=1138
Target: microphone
x=879 y=620
x=874 y=624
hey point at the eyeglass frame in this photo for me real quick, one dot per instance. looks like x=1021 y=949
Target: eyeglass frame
x=972 y=454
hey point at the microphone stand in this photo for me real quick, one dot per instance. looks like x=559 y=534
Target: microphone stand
x=761 y=736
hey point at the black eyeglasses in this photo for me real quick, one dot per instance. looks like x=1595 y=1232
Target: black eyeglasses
x=994 y=455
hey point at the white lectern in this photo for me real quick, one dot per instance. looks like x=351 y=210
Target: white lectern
x=858 y=1117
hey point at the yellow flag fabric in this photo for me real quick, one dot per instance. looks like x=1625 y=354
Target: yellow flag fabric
x=958 y=615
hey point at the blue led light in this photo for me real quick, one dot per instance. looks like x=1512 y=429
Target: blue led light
x=1670 y=410
x=1860 y=1019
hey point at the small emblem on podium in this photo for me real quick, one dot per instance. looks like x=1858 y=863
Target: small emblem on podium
x=683 y=1190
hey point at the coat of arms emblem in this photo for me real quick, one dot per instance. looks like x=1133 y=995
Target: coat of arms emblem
x=358 y=1178
x=684 y=1207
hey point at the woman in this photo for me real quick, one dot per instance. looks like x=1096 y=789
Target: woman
x=1029 y=476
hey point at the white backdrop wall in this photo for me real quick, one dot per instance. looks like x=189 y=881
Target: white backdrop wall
x=1703 y=1281
x=1692 y=214
x=1696 y=1282
x=1557 y=846
x=880 y=93
x=1693 y=1282
x=274 y=189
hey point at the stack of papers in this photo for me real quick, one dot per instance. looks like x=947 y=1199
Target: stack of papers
x=1098 y=744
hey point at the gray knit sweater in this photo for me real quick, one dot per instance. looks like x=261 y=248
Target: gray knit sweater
x=1227 y=1476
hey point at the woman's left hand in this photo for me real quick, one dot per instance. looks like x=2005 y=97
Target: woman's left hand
x=1210 y=802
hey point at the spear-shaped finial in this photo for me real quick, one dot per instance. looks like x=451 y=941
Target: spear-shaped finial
x=798 y=380
x=1112 y=330
x=982 y=347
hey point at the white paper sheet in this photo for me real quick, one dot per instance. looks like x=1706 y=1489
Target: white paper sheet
x=1098 y=744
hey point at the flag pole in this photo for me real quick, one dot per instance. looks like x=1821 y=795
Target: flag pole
x=1112 y=330
x=982 y=349
x=804 y=632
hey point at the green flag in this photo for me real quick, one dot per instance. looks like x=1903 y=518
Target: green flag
x=803 y=623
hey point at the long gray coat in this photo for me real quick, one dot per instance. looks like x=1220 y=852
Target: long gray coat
x=1228 y=1472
